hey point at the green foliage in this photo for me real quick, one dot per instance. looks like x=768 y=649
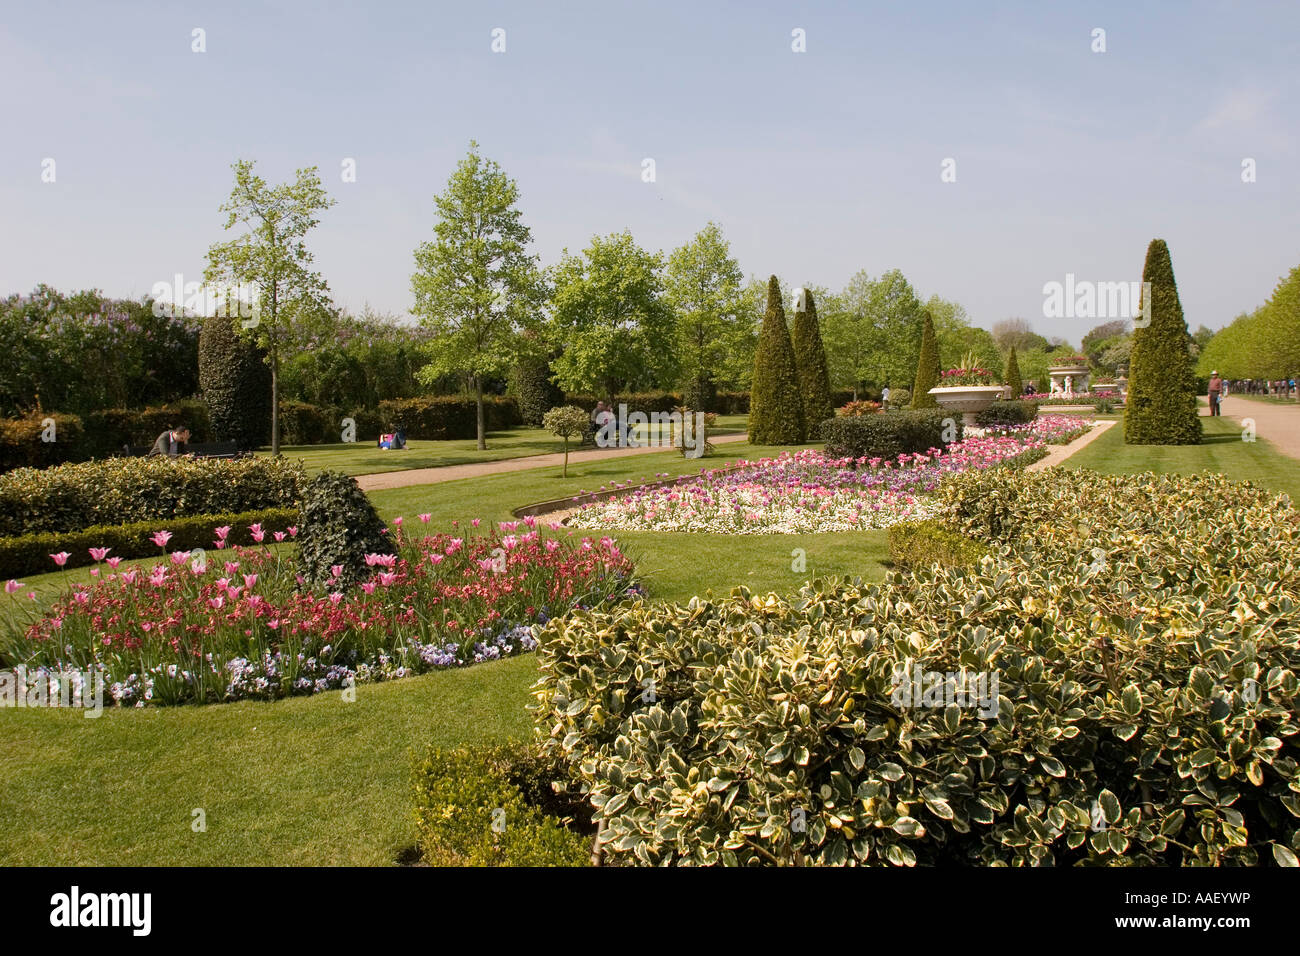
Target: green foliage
x=776 y=413
x=338 y=527
x=900 y=397
x=1143 y=712
x=304 y=424
x=921 y=544
x=612 y=321
x=1007 y=413
x=80 y=495
x=236 y=385
x=872 y=331
x=1104 y=406
x=470 y=812
x=1264 y=345
x=810 y=362
x=442 y=417
x=1011 y=375
x=271 y=254
x=476 y=285
x=927 y=367
x=888 y=435
x=703 y=285
x=100 y=434
x=1161 y=405
x=30 y=553
x=532 y=389
x=23 y=444
x=80 y=352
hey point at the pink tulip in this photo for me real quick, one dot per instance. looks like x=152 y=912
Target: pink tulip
x=114 y=562
x=216 y=602
x=98 y=554
x=387 y=577
x=335 y=597
x=222 y=532
x=161 y=538
x=279 y=536
x=180 y=557
x=397 y=522
x=61 y=558
x=336 y=570
x=250 y=580
x=293 y=531
x=475 y=522
x=11 y=586
x=368 y=587
x=424 y=518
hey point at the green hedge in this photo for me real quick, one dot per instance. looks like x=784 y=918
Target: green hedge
x=1007 y=413
x=442 y=417
x=920 y=544
x=99 y=434
x=30 y=553
x=470 y=810
x=889 y=434
x=81 y=495
x=646 y=402
x=1132 y=653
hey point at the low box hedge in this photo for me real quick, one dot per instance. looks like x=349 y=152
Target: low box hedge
x=444 y=417
x=30 y=553
x=889 y=434
x=100 y=434
x=81 y=495
x=1007 y=413
x=921 y=544
x=479 y=807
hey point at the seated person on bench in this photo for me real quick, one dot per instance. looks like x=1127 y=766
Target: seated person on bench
x=396 y=440
x=171 y=443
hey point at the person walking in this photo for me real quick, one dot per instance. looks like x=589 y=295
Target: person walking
x=1216 y=390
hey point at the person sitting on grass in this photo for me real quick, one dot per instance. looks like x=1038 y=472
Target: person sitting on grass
x=171 y=443
x=396 y=439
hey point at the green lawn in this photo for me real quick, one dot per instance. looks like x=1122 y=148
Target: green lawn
x=1222 y=451
x=363 y=458
x=317 y=781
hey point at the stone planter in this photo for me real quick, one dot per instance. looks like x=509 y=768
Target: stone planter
x=1078 y=375
x=968 y=399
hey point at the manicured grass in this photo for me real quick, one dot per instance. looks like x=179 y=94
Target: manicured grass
x=1222 y=451
x=1270 y=399
x=363 y=458
x=305 y=781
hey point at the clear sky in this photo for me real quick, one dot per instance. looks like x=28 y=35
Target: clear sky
x=816 y=164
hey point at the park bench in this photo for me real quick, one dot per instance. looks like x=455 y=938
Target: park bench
x=209 y=449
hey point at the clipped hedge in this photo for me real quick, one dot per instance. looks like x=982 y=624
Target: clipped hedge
x=24 y=444
x=920 y=544
x=81 y=495
x=1128 y=696
x=30 y=553
x=470 y=811
x=442 y=417
x=888 y=435
x=1007 y=413
x=646 y=402
x=99 y=434
x=302 y=423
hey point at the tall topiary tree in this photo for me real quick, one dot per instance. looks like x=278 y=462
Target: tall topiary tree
x=534 y=392
x=1161 y=404
x=775 y=409
x=927 y=367
x=810 y=361
x=337 y=528
x=1011 y=377
x=236 y=385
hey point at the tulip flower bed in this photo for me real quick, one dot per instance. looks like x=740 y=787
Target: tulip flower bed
x=202 y=628
x=808 y=491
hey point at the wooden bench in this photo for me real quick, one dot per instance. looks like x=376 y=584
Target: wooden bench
x=210 y=449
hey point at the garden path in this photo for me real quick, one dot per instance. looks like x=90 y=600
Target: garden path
x=1058 y=453
x=1279 y=424
x=430 y=476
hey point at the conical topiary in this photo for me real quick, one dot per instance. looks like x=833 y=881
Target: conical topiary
x=1011 y=377
x=1161 y=405
x=775 y=410
x=927 y=368
x=810 y=362
x=338 y=527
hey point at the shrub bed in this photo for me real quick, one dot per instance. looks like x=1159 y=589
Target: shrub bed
x=30 y=553
x=920 y=544
x=1114 y=685
x=99 y=434
x=72 y=497
x=1007 y=413
x=470 y=810
x=888 y=435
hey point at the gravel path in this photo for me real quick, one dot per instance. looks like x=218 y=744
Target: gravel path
x=431 y=476
x=1278 y=424
x=1058 y=453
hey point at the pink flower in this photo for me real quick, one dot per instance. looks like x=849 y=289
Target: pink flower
x=387 y=577
x=216 y=602
x=293 y=531
x=436 y=559
x=279 y=536
x=232 y=567
x=397 y=522
x=99 y=553
x=551 y=544
x=114 y=562
x=475 y=522
x=335 y=597
x=61 y=558
x=222 y=532
x=250 y=580
x=336 y=570
x=129 y=576
x=368 y=587
x=180 y=557
x=219 y=544
x=11 y=586
x=161 y=538
x=256 y=531
x=424 y=518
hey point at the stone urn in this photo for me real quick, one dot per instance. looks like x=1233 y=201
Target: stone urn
x=970 y=400
x=1078 y=375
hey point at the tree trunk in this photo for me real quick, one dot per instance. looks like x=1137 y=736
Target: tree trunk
x=478 y=389
x=275 y=406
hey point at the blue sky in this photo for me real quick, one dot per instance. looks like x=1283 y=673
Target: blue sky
x=816 y=164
